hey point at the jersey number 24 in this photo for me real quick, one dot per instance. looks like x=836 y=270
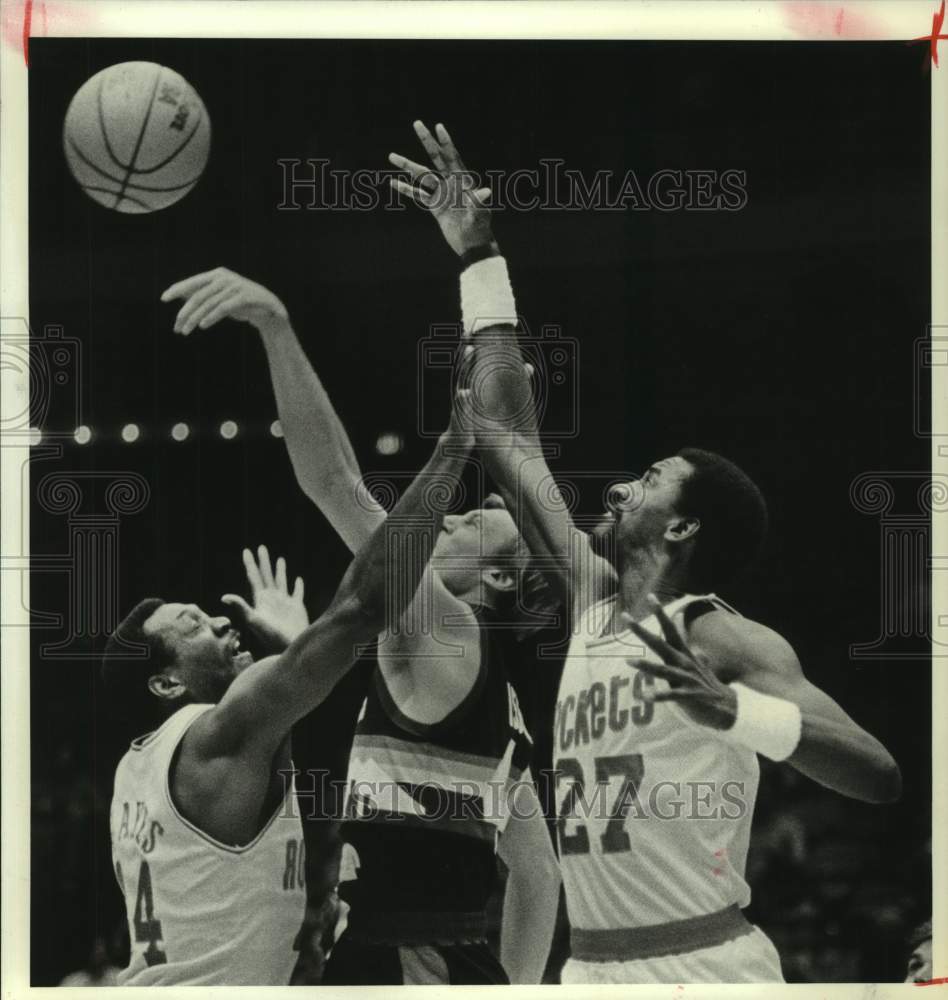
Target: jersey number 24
x=147 y=925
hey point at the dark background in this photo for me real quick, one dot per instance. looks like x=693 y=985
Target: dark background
x=781 y=335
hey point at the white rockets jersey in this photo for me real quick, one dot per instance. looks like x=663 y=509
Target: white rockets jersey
x=654 y=811
x=201 y=912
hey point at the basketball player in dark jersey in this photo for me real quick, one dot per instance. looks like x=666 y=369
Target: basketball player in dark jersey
x=653 y=896
x=439 y=779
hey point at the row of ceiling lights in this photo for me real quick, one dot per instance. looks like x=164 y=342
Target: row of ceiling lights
x=388 y=443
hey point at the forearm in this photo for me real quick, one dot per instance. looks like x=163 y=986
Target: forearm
x=529 y=919
x=379 y=583
x=789 y=719
x=387 y=570
x=324 y=463
x=847 y=759
x=522 y=477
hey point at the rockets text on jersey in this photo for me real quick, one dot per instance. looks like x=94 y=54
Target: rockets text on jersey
x=653 y=811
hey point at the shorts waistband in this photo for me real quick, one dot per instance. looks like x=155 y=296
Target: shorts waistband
x=417 y=928
x=676 y=937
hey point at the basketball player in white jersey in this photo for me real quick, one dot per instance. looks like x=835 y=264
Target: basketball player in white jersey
x=667 y=695
x=439 y=712
x=206 y=840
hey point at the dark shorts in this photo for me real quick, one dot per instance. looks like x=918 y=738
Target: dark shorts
x=357 y=963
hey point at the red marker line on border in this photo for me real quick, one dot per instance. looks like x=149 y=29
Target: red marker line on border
x=940 y=979
x=28 y=20
x=938 y=19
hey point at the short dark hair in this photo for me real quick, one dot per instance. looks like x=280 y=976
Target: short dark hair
x=124 y=674
x=920 y=934
x=733 y=516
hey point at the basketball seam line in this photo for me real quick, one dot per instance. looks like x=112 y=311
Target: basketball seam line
x=141 y=136
x=104 y=131
x=151 y=170
x=125 y=197
x=91 y=163
x=118 y=180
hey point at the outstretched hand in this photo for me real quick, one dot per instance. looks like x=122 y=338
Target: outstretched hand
x=447 y=189
x=692 y=682
x=223 y=294
x=276 y=616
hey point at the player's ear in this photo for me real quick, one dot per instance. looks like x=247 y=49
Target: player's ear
x=501 y=580
x=682 y=529
x=165 y=687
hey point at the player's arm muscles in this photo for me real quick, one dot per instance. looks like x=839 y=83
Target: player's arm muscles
x=271 y=695
x=533 y=887
x=321 y=454
x=430 y=657
x=833 y=749
x=437 y=636
x=505 y=424
x=432 y=662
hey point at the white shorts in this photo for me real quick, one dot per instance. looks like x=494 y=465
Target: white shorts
x=750 y=958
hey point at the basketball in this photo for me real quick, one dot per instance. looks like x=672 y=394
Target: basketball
x=136 y=137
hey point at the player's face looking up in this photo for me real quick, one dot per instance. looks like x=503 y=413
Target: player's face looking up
x=467 y=545
x=920 y=963
x=206 y=651
x=644 y=513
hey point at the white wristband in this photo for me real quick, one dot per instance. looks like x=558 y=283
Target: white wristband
x=767 y=725
x=486 y=296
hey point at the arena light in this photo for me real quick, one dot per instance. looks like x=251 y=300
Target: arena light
x=276 y=429
x=82 y=434
x=130 y=433
x=389 y=443
x=228 y=430
x=180 y=432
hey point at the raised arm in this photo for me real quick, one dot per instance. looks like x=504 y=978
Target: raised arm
x=325 y=465
x=272 y=694
x=502 y=401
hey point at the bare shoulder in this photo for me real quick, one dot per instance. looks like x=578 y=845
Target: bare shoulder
x=740 y=646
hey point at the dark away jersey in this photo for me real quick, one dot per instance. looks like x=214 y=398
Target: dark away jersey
x=426 y=803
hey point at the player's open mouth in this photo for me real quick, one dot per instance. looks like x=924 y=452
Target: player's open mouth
x=241 y=657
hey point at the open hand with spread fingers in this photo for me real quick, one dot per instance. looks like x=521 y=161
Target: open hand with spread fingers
x=277 y=616
x=692 y=682
x=223 y=294
x=447 y=189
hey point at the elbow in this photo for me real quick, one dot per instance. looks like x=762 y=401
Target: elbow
x=880 y=782
x=888 y=782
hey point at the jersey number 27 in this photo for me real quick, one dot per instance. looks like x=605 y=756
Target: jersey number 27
x=614 y=838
